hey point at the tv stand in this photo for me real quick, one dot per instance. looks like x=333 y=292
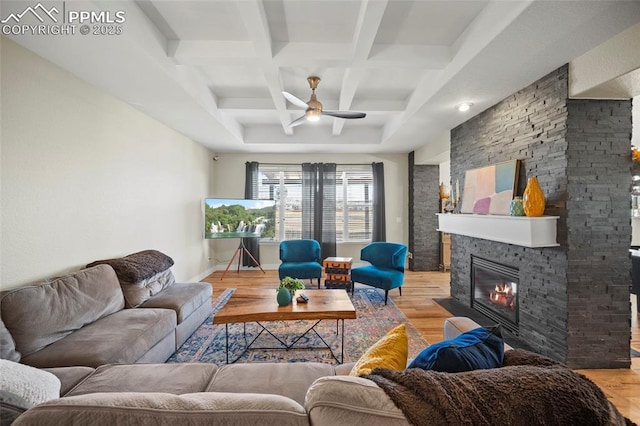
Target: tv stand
x=241 y=248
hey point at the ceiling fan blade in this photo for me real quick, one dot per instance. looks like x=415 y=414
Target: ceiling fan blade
x=296 y=101
x=298 y=121
x=345 y=114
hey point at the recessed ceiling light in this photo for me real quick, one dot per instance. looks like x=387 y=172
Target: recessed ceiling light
x=464 y=106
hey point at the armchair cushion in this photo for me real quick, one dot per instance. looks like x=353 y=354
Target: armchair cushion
x=385 y=255
x=300 y=251
x=383 y=278
x=300 y=259
x=300 y=270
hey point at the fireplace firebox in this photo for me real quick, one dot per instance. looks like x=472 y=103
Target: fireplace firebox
x=494 y=291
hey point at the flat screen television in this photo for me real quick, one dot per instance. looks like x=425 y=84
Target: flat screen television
x=237 y=218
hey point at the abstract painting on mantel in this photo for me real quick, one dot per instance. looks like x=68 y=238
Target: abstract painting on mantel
x=490 y=189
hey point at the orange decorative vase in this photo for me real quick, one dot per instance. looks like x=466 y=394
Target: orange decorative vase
x=533 y=198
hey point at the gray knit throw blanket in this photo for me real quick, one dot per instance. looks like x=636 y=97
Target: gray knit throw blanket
x=137 y=266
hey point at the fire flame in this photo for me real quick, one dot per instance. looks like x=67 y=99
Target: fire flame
x=502 y=294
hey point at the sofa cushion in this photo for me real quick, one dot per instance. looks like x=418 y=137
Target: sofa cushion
x=184 y=298
x=346 y=400
x=120 y=338
x=138 y=292
x=39 y=315
x=163 y=409
x=69 y=376
x=141 y=275
x=31 y=384
x=391 y=351
x=166 y=378
x=480 y=348
x=7 y=345
x=287 y=379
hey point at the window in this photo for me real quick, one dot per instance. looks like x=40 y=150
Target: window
x=283 y=183
x=354 y=203
x=354 y=200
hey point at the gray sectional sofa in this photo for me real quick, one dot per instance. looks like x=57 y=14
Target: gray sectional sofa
x=312 y=394
x=81 y=319
x=100 y=363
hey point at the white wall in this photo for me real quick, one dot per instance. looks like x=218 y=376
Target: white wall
x=229 y=176
x=87 y=177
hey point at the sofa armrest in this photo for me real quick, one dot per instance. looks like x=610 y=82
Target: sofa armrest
x=346 y=400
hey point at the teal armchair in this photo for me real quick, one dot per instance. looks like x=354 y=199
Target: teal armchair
x=300 y=259
x=386 y=270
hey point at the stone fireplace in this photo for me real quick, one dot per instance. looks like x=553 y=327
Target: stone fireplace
x=572 y=299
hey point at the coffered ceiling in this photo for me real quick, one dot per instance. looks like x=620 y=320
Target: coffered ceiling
x=215 y=70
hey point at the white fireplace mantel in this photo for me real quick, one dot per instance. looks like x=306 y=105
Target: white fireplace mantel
x=518 y=230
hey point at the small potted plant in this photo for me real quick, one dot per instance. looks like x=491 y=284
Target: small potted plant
x=291 y=284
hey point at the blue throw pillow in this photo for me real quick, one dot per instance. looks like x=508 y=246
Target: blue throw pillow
x=480 y=348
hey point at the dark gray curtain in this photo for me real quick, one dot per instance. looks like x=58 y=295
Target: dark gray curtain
x=319 y=205
x=310 y=227
x=251 y=193
x=379 y=232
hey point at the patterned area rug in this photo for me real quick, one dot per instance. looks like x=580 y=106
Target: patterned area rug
x=207 y=344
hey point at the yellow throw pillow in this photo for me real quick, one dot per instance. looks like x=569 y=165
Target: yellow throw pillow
x=389 y=352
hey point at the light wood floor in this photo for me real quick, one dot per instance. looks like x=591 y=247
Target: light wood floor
x=622 y=387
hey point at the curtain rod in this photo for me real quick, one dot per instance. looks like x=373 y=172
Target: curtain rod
x=298 y=164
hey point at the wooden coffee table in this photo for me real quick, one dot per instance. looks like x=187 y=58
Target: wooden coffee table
x=259 y=305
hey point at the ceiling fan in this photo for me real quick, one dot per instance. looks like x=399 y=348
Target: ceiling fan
x=314 y=108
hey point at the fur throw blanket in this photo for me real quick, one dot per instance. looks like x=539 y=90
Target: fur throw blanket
x=517 y=394
x=137 y=266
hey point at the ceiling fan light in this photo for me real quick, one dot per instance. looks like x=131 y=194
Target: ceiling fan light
x=313 y=115
x=465 y=106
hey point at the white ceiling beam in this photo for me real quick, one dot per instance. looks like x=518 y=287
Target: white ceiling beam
x=488 y=25
x=411 y=55
x=214 y=52
x=255 y=20
x=192 y=80
x=194 y=52
x=264 y=104
x=290 y=52
x=310 y=134
x=378 y=105
x=369 y=19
